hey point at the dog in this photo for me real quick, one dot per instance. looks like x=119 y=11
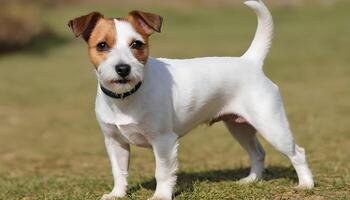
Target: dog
x=152 y=102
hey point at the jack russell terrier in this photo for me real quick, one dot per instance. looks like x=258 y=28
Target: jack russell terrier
x=152 y=102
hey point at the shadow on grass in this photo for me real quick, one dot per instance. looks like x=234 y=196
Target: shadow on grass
x=38 y=45
x=186 y=180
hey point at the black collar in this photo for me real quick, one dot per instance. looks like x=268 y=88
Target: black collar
x=120 y=96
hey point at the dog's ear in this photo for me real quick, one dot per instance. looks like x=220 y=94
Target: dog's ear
x=83 y=26
x=146 y=22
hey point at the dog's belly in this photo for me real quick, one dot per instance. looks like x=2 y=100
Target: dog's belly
x=133 y=135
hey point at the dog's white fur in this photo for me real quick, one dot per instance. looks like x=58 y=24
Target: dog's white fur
x=178 y=95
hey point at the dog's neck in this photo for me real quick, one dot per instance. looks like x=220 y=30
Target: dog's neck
x=120 y=95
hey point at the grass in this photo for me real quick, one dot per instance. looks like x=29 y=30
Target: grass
x=51 y=146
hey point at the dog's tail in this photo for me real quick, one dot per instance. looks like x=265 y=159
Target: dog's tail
x=263 y=37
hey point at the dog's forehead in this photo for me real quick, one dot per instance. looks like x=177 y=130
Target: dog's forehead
x=125 y=32
x=115 y=31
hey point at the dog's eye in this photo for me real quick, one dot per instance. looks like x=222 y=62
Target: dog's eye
x=102 y=46
x=137 y=44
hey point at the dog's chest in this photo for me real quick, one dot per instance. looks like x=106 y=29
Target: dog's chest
x=128 y=126
x=133 y=135
x=131 y=130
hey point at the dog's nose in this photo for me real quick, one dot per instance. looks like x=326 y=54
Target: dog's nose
x=123 y=70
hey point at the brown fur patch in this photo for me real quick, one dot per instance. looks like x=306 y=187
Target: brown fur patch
x=149 y=22
x=140 y=54
x=104 y=31
x=83 y=26
x=145 y=24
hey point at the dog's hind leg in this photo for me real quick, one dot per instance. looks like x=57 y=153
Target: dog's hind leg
x=267 y=115
x=246 y=136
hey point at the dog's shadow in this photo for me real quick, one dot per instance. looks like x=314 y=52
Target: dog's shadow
x=186 y=180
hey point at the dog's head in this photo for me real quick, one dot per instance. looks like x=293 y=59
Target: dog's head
x=118 y=48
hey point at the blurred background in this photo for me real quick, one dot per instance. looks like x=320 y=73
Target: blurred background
x=51 y=146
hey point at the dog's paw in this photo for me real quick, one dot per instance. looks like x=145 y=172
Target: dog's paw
x=110 y=197
x=306 y=182
x=158 y=198
x=249 y=179
x=115 y=194
x=305 y=186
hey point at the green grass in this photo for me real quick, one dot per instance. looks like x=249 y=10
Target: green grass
x=51 y=146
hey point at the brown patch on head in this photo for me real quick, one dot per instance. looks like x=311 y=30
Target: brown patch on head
x=104 y=31
x=145 y=24
x=141 y=54
x=83 y=26
x=94 y=29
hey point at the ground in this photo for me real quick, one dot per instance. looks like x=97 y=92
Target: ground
x=51 y=146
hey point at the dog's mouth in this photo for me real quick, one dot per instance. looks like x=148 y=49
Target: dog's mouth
x=121 y=81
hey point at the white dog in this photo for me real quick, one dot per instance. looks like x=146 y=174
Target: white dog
x=152 y=102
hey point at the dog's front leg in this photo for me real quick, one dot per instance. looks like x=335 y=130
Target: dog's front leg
x=118 y=153
x=165 y=151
